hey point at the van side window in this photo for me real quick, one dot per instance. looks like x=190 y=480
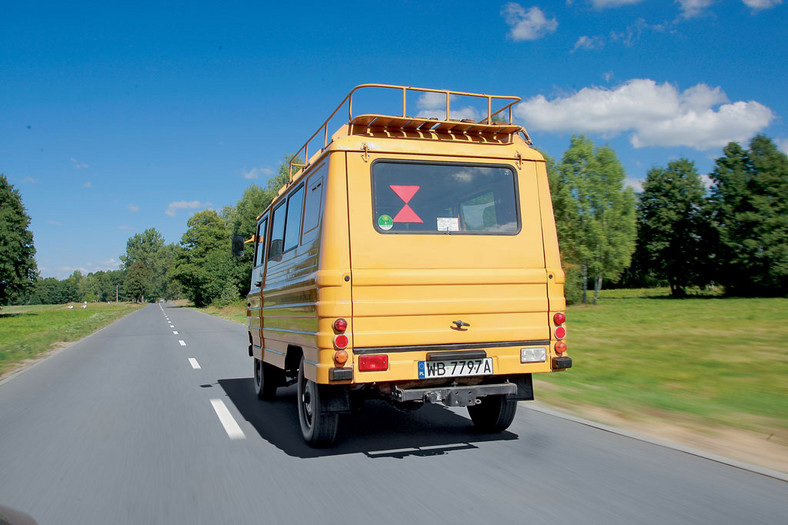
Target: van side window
x=277 y=233
x=314 y=201
x=259 y=259
x=295 y=205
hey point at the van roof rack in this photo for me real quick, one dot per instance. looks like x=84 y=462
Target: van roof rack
x=497 y=124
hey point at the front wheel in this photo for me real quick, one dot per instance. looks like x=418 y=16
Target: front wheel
x=318 y=427
x=493 y=414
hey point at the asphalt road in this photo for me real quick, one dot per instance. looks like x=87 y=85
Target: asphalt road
x=123 y=428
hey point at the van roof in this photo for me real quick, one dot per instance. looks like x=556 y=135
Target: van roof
x=497 y=124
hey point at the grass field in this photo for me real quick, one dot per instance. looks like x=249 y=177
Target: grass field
x=28 y=331
x=722 y=361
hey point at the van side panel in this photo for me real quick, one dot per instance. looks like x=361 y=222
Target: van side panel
x=289 y=302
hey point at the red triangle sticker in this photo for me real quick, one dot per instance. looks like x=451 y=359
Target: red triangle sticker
x=406 y=214
x=406 y=193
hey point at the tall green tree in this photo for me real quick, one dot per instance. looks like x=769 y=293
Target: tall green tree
x=138 y=282
x=204 y=266
x=749 y=204
x=18 y=270
x=599 y=212
x=673 y=226
x=147 y=248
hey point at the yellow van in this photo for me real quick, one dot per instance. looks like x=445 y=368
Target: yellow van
x=410 y=258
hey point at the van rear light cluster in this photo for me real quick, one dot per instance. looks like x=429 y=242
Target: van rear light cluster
x=560 y=332
x=341 y=341
x=373 y=363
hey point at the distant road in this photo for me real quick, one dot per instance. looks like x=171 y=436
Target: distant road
x=153 y=420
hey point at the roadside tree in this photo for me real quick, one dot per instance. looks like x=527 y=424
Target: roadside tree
x=204 y=266
x=147 y=248
x=597 y=212
x=749 y=205
x=18 y=270
x=673 y=227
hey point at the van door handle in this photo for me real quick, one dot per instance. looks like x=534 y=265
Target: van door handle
x=460 y=324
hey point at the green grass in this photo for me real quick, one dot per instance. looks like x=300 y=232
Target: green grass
x=235 y=311
x=717 y=360
x=28 y=331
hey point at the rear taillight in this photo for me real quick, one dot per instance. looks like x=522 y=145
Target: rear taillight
x=340 y=325
x=373 y=363
x=559 y=318
x=560 y=347
x=560 y=332
x=340 y=357
x=341 y=341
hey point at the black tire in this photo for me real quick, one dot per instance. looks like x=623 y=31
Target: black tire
x=266 y=380
x=319 y=428
x=493 y=414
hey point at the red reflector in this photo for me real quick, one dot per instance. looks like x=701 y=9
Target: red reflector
x=371 y=363
x=340 y=325
x=560 y=347
x=559 y=318
x=560 y=332
x=341 y=341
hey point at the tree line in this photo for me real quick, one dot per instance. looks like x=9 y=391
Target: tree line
x=676 y=232
x=729 y=232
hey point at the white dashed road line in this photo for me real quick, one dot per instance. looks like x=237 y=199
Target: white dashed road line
x=174 y=332
x=181 y=342
x=194 y=363
x=227 y=420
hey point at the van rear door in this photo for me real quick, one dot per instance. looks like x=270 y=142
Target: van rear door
x=437 y=241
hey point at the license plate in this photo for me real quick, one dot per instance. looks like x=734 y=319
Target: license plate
x=458 y=368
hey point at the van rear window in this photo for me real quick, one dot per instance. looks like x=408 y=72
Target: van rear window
x=446 y=198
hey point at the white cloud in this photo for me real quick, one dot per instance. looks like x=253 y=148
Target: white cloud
x=527 y=24
x=87 y=185
x=29 y=180
x=655 y=114
x=125 y=227
x=133 y=208
x=55 y=223
x=589 y=42
x=602 y=4
x=434 y=105
x=173 y=208
x=782 y=145
x=635 y=184
x=693 y=8
x=256 y=173
x=79 y=165
x=757 y=5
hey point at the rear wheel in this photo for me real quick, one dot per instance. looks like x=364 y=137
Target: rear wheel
x=318 y=427
x=266 y=379
x=493 y=414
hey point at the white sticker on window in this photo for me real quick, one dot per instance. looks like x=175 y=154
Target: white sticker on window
x=448 y=224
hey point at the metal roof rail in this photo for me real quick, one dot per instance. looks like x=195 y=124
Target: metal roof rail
x=488 y=124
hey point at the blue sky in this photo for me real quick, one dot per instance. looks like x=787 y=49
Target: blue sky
x=118 y=116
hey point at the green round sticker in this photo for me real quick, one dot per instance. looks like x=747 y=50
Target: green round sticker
x=385 y=222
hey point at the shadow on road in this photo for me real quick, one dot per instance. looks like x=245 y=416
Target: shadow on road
x=378 y=430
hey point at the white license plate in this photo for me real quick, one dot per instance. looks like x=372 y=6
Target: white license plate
x=458 y=368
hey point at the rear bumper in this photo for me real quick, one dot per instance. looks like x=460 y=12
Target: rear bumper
x=454 y=395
